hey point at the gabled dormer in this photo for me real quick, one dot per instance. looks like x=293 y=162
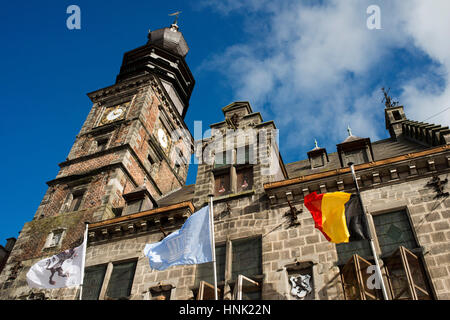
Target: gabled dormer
x=355 y=149
x=318 y=157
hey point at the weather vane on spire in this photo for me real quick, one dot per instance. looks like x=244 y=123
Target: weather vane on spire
x=388 y=100
x=176 y=14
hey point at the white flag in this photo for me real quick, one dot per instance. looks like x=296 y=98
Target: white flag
x=63 y=270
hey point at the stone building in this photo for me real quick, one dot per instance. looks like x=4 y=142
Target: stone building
x=126 y=174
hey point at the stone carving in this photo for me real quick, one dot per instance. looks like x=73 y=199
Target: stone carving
x=301 y=286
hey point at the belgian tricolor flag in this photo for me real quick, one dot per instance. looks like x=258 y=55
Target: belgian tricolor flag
x=338 y=215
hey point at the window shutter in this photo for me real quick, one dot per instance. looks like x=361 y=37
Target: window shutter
x=246 y=289
x=206 y=291
x=406 y=276
x=354 y=279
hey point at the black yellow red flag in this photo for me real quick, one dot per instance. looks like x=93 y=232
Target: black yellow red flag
x=338 y=215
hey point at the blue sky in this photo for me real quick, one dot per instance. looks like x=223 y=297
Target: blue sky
x=312 y=66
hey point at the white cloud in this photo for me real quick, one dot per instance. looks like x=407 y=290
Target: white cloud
x=313 y=71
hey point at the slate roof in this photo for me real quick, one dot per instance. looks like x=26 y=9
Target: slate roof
x=185 y=193
x=382 y=149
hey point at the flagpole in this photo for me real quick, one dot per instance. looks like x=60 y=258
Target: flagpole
x=83 y=261
x=371 y=237
x=213 y=244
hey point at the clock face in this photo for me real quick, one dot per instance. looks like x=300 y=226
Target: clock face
x=162 y=137
x=113 y=114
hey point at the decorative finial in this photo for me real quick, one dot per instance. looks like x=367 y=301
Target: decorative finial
x=176 y=14
x=316 y=144
x=349 y=131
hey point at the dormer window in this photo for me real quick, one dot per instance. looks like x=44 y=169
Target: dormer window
x=356 y=157
x=354 y=149
x=138 y=200
x=317 y=162
x=318 y=157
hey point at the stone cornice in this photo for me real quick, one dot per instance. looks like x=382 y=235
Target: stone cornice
x=370 y=165
x=113 y=165
x=119 y=88
x=372 y=175
x=146 y=221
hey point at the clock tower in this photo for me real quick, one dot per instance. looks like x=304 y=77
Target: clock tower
x=133 y=149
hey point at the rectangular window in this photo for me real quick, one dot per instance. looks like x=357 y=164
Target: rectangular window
x=345 y=251
x=244 y=179
x=222 y=184
x=357 y=157
x=245 y=263
x=244 y=155
x=317 y=161
x=93 y=281
x=222 y=159
x=134 y=206
x=205 y=270
x=76 y=201
x=121 y=281
x=101 y=144
x=355 y=278
x=247 y=257
x=151 y=160
x=394 y=230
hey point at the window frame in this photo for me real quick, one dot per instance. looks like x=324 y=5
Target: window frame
x=131 y=280
x=228 y=270
x=232 y=169
x=417 y=251
x=49 y=243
